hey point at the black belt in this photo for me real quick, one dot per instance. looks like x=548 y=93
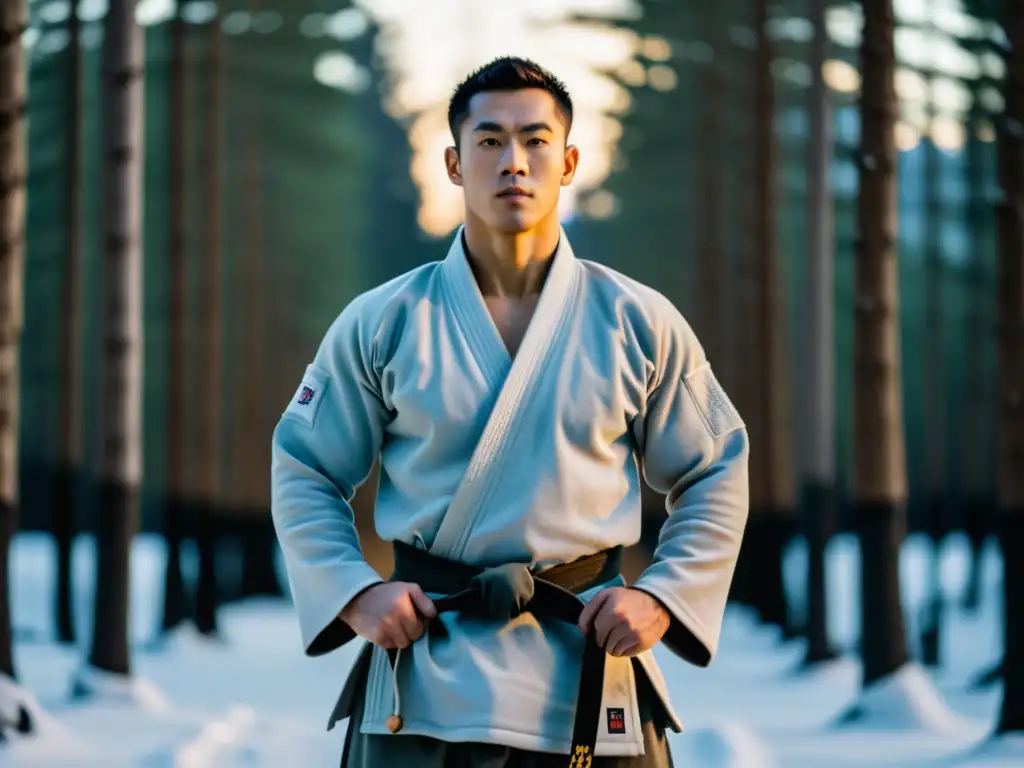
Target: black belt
x=504 y=592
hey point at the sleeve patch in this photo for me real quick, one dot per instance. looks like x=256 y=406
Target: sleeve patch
x=306 y=401
x=716 y=409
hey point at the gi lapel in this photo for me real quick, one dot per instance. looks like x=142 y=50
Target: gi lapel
x=549 y=320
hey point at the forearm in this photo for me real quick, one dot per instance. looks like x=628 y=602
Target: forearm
x=698 y=546
x=326 y=567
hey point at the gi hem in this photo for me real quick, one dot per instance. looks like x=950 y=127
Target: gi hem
x=514 y=739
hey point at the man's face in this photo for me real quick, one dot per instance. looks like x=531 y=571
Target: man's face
x=513 y=159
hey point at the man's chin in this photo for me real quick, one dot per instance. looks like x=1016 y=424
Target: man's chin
x=516 y=223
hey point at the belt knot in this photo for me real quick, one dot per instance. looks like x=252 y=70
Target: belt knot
x=504 y=590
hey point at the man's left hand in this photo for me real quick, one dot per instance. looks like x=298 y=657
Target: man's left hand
x=626 y=621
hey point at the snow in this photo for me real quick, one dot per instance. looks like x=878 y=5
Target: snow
x=219 y=739
x=251 y=698
x=1005 y=750
x=727 y=745
x=907 y=700
x=97 y=684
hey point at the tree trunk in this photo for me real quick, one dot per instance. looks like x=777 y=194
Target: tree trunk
x=712 y=319
x=774 y=503
x=259 y=540
x=739 y=244
x=207 y=598
x=259 y=548
x=1011 y=370
x=175 y=503
x=13 y=166
x=979 y=498
x=121 y=356
x=819 y=492
x=880 y=477
x=209 y=449
x=70 y=464
x=989 y=677
x=710 y=265
x=934 y=424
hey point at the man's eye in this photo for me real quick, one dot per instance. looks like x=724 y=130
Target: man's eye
x=489 y=143
x=537 y=142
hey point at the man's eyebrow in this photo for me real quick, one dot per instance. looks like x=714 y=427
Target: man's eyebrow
x=488 y=126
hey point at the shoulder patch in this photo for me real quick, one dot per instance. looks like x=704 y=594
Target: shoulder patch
x=306 y=402
x=716 y=409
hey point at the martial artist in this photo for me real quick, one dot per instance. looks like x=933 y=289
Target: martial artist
x=513 y=392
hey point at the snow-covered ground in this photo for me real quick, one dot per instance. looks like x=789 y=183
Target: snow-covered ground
x=255 y=700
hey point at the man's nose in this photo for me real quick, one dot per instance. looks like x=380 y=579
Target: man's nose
x=513 y=161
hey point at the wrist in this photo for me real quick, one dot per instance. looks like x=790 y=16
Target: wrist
x=353 y=605
x=655 y=601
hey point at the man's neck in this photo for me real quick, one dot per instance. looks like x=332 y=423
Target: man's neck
x=511 y=265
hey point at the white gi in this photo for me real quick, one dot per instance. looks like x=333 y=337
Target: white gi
x=488 y=459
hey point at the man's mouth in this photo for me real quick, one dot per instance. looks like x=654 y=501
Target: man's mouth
x=514 y=192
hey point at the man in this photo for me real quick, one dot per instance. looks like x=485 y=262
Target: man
x=511 y=391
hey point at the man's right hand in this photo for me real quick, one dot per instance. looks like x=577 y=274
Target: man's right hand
x=390 y=614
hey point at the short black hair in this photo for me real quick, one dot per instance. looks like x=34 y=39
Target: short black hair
x=506 y=73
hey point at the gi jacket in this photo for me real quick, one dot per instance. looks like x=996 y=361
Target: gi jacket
x=488 y=459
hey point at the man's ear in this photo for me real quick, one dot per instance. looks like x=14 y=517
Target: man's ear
x=451 y=162
x=572 y=160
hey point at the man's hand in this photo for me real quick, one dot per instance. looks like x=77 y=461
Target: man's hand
x=390 y=615
x=626 y=621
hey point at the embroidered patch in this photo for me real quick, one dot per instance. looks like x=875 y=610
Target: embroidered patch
x=306 y=401
x=616 y=720
x=716 y=409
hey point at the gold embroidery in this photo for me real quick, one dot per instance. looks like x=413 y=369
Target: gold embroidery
x=581 y=758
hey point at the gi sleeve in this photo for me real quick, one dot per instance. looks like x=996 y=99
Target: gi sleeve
x=323 y=447
x=694 y=447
